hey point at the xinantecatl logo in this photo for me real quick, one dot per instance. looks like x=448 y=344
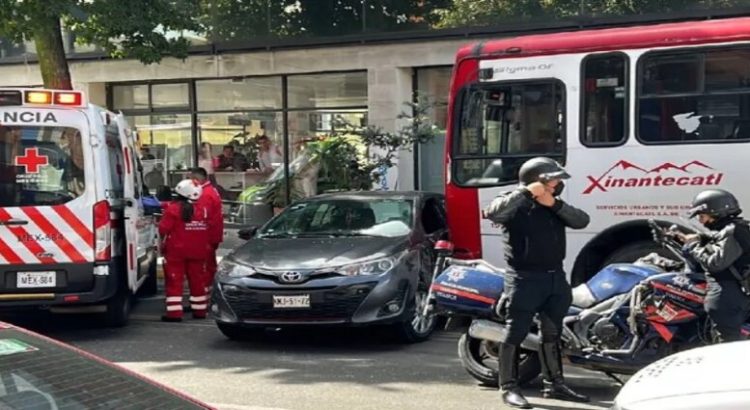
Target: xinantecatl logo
x=693 y=173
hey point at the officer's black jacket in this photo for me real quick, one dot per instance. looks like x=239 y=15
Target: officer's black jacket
x=721 y=249
x=534 y=234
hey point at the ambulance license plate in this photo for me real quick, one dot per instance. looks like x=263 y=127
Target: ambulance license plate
x=35 y=280
x=281 y=302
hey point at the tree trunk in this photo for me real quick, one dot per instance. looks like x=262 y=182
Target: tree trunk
x=51 y=54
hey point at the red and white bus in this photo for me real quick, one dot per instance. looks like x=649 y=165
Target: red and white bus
x=642 y=118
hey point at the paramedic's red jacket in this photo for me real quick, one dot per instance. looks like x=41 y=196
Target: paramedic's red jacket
x=211 y=200
x=185 y=240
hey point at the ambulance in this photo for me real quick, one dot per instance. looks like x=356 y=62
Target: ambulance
x=75 y=234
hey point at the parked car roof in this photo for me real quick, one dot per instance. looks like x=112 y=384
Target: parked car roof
x=711 y=377
x=363 y=195
x=41 y=373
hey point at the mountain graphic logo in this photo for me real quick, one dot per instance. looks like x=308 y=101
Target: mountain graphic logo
x=696 y=173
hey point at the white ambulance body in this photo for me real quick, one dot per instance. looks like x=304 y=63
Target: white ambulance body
x=73 y=228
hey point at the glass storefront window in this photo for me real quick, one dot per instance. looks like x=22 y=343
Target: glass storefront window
x=256 y=141
x=240 y=136
x=130 y=97
x=433 y=84
x=309 y=135
x=328 y=90
x=239 y=94
x=166 y=148
x=170 y=95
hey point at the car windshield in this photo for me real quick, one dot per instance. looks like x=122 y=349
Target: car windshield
x=38 y=374
x=343 y=217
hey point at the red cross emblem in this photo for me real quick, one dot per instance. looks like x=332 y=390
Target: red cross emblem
x=31 y=160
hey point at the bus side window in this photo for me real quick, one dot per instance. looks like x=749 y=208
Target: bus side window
x=696 y=95
x=604 y=107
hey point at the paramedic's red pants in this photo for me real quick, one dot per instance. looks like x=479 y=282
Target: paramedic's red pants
x=174 y=277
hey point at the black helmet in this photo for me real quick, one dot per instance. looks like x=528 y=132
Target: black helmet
x=717 y=203
x=541 y=169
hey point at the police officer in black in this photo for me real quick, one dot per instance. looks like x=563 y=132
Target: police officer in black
x=725 y=255
x=534 y=219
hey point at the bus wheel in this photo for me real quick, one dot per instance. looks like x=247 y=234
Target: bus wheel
x=632 y=251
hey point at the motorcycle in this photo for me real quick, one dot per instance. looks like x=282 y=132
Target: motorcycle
x=622 y=319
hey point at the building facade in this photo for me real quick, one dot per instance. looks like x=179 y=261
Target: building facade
x=288 y=95
x=187 y=111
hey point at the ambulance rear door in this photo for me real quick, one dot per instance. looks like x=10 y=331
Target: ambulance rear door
x=47 y=193
x=140 y=229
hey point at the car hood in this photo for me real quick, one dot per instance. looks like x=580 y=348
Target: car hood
x=313 y=253
x=685 y=379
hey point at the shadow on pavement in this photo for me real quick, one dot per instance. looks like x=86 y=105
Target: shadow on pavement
x=305 y=356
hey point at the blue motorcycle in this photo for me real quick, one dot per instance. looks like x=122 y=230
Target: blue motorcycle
x=623 y=318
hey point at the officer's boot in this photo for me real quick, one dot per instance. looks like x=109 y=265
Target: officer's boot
x=508 y=377
x=554 y=384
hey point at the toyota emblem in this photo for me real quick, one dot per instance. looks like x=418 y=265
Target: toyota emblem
x=292 y=277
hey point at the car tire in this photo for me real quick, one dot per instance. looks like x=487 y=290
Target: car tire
x=151 y=285
x=471 y=352
x=415 y=328
x=118 y=308
x=235 y=332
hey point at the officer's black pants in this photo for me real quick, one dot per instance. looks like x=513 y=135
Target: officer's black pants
x=529 y=293
x=727 y=307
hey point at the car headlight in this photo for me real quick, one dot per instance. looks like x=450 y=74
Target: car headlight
x=369 y=268
x=230 y=269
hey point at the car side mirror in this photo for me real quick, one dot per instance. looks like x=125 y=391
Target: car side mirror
x=247 y=233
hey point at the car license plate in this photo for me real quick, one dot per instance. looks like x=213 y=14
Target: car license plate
x=35 y=280
x=302 y=301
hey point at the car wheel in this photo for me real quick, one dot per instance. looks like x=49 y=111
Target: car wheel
x=417 y=327
x=118 y=308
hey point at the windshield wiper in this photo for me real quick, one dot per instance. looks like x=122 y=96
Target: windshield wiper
x=334 y=234
x=276 y=235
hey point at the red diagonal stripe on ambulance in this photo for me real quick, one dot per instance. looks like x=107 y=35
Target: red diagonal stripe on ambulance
x=31 y=245
x=55 y=234
x=79 y=227
x=9 y=255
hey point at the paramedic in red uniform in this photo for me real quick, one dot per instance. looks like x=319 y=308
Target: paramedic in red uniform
x=211 y=200
x=184 y=231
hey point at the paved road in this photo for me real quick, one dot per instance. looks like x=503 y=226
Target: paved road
x=299 y=370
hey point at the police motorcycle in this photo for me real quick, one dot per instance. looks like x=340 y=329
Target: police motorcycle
x=623 y=318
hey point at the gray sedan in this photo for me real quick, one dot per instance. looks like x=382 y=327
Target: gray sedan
x=337 y=259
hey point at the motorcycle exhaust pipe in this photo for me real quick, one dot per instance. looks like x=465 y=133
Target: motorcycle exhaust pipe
x=496 y=332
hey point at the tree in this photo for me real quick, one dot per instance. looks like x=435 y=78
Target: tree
x=123 y=28
x=486 y=12
x=251 y=19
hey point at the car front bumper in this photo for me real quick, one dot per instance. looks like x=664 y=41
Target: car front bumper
x=333 y=300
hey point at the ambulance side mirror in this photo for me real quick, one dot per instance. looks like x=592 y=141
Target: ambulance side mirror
x=248 y=233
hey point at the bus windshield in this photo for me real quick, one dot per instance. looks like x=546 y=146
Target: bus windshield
x=504 y=124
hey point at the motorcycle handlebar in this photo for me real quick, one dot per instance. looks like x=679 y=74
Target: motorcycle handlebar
x=663 y=237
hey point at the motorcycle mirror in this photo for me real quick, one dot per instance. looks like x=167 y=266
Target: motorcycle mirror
x=444 y=247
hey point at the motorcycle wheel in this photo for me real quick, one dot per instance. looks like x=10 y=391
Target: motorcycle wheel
x=480 y=359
